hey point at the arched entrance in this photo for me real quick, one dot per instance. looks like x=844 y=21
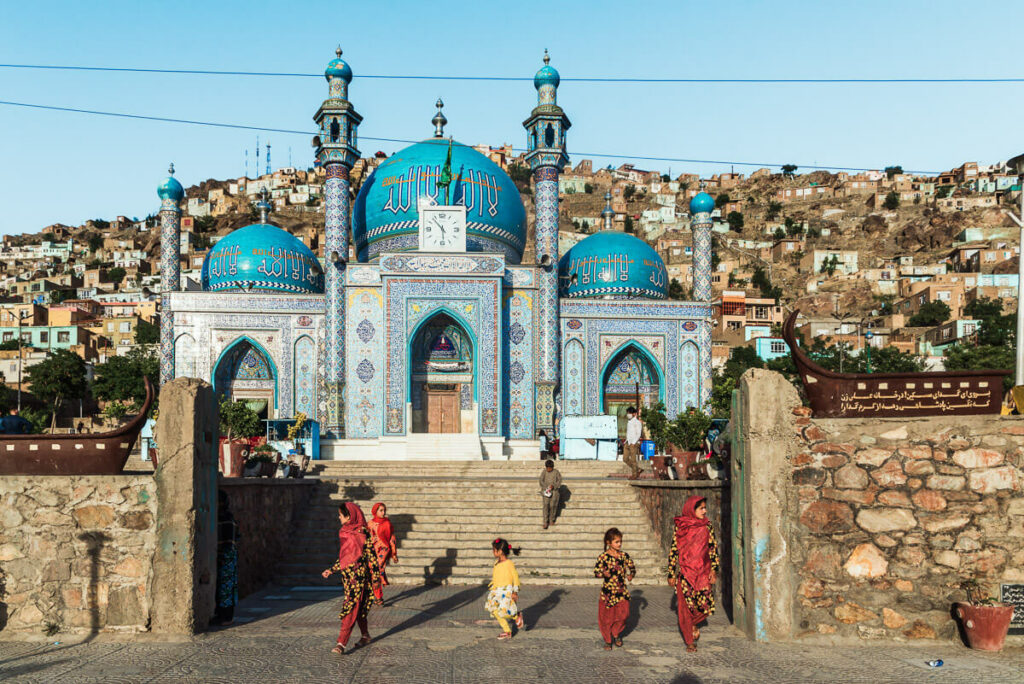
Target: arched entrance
x=245 y=372
x=630 y=378
x=441 y=384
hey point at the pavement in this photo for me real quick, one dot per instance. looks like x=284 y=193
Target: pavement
x=441 y=634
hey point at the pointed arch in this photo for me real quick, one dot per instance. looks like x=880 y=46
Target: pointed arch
x=574 y=378
x=304 y=376
x=624 y=351
x=448 y=357
x=689 y=375
x=185 y=356
x=245 y=366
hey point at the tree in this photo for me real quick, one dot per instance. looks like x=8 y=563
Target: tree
x=983 y=357
x=120 y=378
x=892 y=201
x=995 y=329
x=628 y=226
x=891 y=171
x=58 y=296
x=773 y=210
x=5 y=398
x=735 y=220
x=588 y=188
x=885 y=303
x=722 y=200
x=930 y=314
x=627 y=194
x=11 y=345
x=60 y=376
x=792 y=227
x=779 y=234
x=95 y=243
x=789 y=169
x=101 y=223
x=761 y=281
x=238 y=420
x=829 y=265
x=116 y=274
x=943 y=192
x=677 y=291
x=519 y=174
x=205 y=224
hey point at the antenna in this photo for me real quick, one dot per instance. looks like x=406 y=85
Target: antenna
x=289 y=156
x=256 y=166
x=268 y=159
x=247 y=163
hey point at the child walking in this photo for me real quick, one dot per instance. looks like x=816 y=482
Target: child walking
x=504 y=589
x=617 y=568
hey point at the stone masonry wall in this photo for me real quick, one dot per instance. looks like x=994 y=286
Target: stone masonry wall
x=267 y=512
x=892 y=514
x=76 y=553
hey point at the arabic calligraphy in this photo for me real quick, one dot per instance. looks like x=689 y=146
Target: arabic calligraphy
x=911 y=400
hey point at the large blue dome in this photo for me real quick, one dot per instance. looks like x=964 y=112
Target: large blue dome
x=170 y=189
x=615 y=265
x=385 y=216
x=702 y=203
x=262 y=257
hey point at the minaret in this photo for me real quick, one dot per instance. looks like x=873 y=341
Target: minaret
x=545 y=132
x=607 y=216
x=171 y=194
x=701 y=207
x=336 y=152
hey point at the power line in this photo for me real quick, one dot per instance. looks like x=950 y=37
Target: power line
x=603 y=155
x=578 y=79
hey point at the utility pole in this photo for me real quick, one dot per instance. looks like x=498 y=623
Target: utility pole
x=1019 y=220
x=20 y=354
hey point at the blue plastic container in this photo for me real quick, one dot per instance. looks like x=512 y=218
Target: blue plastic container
x=647 y=449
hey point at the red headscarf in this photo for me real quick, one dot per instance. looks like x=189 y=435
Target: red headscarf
x=692 y=535
x=351 y=536
x=382 y=526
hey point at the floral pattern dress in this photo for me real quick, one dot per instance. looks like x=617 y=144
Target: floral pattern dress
x=503 y=586
x=362 y=575
x=702 y=601
x=619 y=569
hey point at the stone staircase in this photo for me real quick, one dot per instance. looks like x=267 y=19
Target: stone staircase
x=446 y=514
x=457 y=447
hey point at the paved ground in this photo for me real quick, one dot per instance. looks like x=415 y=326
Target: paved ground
x=439 y=634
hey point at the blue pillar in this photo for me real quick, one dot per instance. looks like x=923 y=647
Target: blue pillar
x=171 y=194
x=336 y=151
x=701 y=207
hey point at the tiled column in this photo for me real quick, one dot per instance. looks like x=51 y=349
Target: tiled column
x=170 y=281
x=336 y=229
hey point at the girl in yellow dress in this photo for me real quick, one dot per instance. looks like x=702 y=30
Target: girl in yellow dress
x=504 y=589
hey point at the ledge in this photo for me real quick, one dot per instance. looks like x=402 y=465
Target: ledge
x=272 y=481
x=680 y=484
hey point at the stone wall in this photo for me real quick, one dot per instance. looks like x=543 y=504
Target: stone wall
x=267 y=512
x=864 y=528
x=663 y=500
x=76 y=553
x=894 y=513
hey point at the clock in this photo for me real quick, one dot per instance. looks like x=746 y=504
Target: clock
x=443 y=228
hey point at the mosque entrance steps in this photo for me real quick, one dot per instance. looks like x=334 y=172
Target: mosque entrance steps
x=446 y=514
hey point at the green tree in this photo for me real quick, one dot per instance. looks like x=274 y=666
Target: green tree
x=982 y=357
x=773 y=210
x=95 y=242
x=205 y=224
x=885 y=303
x=779 y=234
x=995 y=329
x=60 y=376
x=735 y=221
x=891 y=171
x=588 y=188
x=58 y=296
x=657 y=424
x=237 y=420
x=677 y=291
x=930 y=314
x=943 y=192
x=793 y=228
x=101 y=223
x=789 y=169
x=829 y=265
x=10 y=345
x=628 y=193
x=116 y=274
x=121 y=377
x=146 y=332
x=892 y=201
x=760 y=280
x=722 y=200
x=628 y=226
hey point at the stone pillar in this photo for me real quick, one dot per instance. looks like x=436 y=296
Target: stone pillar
x=185 y=562
x=763 y=582
x=336 y=236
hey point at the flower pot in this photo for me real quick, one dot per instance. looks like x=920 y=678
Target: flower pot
x=660 y=466
x=683 y=461
x=985 y=626
x=232 y=458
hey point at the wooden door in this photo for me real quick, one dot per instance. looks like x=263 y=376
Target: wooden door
x=442 y=412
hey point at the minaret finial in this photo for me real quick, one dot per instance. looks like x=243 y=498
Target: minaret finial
x=547 y=58
x=264 y=206
x=170 y=169
x=337 y=51
x=439 y=120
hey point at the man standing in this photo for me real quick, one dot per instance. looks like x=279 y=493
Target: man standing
x=550 y=483
x=14 y=424
x=631 y=450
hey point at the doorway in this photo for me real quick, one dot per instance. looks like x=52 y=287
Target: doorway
x=441 y=409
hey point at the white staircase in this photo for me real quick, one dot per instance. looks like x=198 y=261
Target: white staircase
x=446 y=514
x=455 y=447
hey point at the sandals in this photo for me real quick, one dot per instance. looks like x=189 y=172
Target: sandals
x=691 y=649
x=519 y=620
x=363 y=641
x=618 y=642
x=339 y=649
x=504 y=636
x=696 y=633
x=607 y=647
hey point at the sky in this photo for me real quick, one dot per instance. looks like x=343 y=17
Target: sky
x=67 y=167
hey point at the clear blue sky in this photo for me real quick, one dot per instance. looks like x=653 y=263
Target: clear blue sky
x=59 y=167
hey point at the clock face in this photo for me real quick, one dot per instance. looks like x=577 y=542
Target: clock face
x=443 y=229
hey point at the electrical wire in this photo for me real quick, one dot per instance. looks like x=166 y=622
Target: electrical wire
x=602 y=155
x=579 y=79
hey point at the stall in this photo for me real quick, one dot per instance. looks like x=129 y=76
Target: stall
x=589 y=438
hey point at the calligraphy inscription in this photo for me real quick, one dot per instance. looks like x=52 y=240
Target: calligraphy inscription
x=612 y=268
x=1013 y=594
x=913 y=400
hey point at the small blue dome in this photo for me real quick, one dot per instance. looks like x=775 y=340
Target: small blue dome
x=547 y=75
x=171 y=189
x=385 y=217
x=262 y=257
x=615 y=265
x=337 y=67
x=702 y=202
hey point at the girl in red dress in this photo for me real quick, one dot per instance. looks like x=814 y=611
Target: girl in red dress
x=693 y=568
x=383 y=537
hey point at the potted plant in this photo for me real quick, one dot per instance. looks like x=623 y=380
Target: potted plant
x=262 y=462
x=238 y=423
x=687 y=432
x=657 y=425
x=985 y=620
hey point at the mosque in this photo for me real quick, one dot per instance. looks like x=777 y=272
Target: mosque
x=432 y=323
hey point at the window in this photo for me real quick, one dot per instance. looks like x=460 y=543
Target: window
x=778 y=347
x=733 y=325
x=110 y=327
x=942 y=295
x=125 y=327
x=968 y=329
x=44 y=337
x=8 y=337
x=26 y=338
x=63 y=336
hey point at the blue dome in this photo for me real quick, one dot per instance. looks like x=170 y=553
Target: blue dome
x=338 y=67
x=547 y=75
x=702 y=202
x=262 y=257
x=170 y=189
x=385 y=216
x=613 y=264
